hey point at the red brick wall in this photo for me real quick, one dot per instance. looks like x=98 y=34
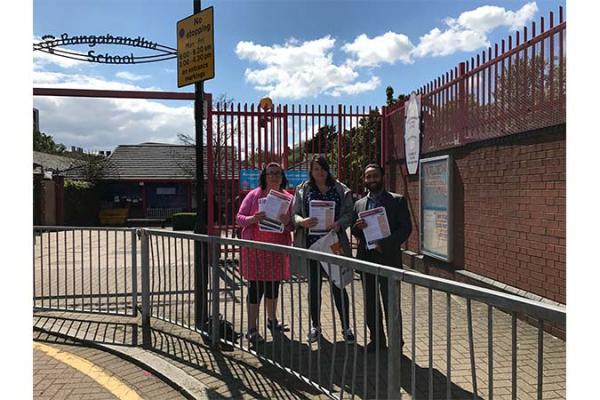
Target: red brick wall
x=510 y=211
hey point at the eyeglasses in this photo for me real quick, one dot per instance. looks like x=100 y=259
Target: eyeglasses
x=274 y=173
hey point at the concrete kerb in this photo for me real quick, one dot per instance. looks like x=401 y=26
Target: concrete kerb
x=175 y=377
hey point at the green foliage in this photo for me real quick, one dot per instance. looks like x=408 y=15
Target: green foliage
x=184 y=221
x=530 y=77
x=45 y=144
x=390 y=100
x=323 y=141
x=93 y=166
x=360 y=146
x=78 y=185
x=81 y=203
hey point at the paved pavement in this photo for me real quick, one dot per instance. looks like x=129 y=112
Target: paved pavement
x=63 y=369
x=105 y=264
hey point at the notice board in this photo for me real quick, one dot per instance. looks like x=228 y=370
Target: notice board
x=435 y=183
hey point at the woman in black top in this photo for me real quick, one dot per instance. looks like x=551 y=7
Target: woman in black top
x=323 y=186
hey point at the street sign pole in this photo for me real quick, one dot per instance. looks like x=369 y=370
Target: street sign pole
x=195 y=64
x=200 y=249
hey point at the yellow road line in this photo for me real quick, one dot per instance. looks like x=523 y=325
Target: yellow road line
x=112 y=384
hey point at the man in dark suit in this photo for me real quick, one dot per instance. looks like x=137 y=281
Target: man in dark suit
x=387 y=251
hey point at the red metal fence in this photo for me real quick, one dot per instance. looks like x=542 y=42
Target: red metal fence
x=243 y=138
x=515 y=87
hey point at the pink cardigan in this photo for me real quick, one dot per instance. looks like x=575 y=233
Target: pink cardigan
x=249 y=207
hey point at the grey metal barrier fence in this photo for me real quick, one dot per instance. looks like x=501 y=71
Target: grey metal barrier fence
x=437 y=338
x=90 y=270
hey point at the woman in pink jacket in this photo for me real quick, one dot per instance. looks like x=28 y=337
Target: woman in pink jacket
x=264 y=270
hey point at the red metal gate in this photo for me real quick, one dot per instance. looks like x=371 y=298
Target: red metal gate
x=243 y=138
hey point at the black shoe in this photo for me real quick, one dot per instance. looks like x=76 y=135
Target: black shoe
x=276 y=327
x=314 y=334
x=373 y=346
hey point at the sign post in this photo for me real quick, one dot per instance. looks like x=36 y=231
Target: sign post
x=195 y=64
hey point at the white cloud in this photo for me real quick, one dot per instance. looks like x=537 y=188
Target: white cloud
x=102 y=124
x=306 y=69
x=298 y=69
x=81 y=81
x=469 y=31
x=42 y=59
x=131 y=77
x=387 y=48
x=443 y=43
x=486 y=18
x=358 y=87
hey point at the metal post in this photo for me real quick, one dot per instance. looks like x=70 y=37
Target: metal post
x=339 y=143
x=462 y=104
x=215 y=294
x=286 y=155
x=382 y=122
x=146 y=332
x=134 y=289
x=200 y=264
x=395 y=348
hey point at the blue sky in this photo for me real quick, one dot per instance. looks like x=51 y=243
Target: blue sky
x=298 y=52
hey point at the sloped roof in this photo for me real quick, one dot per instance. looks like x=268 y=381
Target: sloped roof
x=52 y=162
x=148 y=161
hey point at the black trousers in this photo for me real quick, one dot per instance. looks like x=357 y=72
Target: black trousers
x=373 y=308
x=256 y=290
x=340 y=296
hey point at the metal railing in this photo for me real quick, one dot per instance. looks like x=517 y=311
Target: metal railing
x=91 y=270
x=462 y=341
x=516 y=86
x=161 y=212
x=472 y=324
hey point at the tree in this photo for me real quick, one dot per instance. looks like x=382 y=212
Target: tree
x=45 y=143
x=93 y=167
x=529 y=90
x=360 y=146
x=89 y=167
x=390 y=100
x=530 y=78
x=223 y=138
x=323 y=141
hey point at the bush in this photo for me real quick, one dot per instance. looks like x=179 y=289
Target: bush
x=81 y=203
x=184 y=221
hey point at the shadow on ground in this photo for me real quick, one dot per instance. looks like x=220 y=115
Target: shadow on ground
x=334 y=367
x=337 y=366
x=233 y=375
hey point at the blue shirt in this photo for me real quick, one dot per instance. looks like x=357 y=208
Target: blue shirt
x=373 y=201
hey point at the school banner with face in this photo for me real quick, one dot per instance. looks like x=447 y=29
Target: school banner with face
x=412 y=132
